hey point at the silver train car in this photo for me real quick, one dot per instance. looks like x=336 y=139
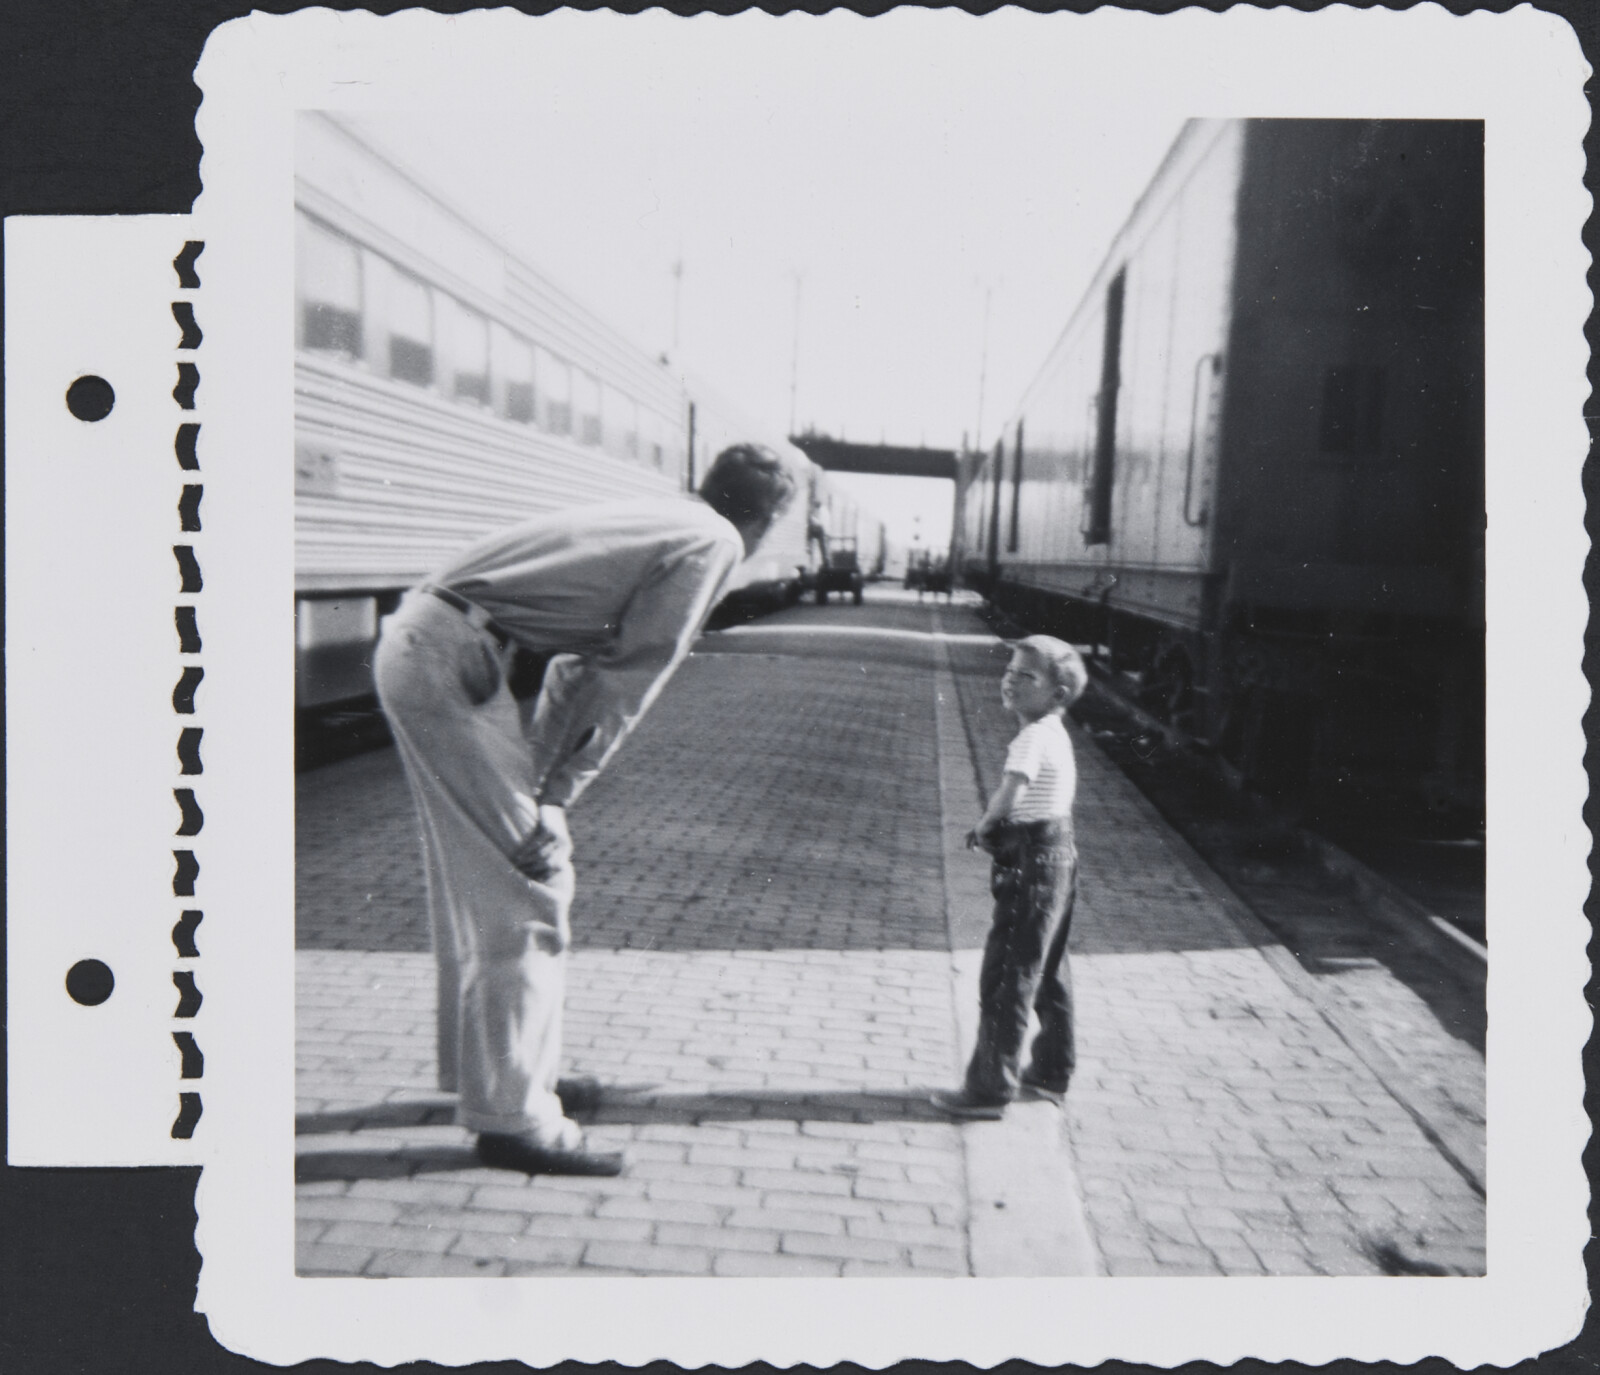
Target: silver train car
x=443 y=387
x=1251 y=470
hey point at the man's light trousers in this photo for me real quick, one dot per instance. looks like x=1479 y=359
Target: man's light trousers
x=500 y=939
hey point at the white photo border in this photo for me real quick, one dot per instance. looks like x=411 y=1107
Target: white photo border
x=1521 y=73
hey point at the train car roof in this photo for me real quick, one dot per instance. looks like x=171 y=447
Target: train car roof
x=1185 y=144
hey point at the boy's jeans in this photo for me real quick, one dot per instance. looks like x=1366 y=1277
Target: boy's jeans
x=1034 y=881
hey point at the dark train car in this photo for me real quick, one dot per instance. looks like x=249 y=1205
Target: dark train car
x=1251 y=471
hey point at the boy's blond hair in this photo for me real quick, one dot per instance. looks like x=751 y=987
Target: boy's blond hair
x=1063 y=663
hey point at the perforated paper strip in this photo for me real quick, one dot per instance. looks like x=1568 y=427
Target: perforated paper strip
x=385 y=300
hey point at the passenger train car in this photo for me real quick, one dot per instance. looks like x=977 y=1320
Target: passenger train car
x=1251 y=470
x=443 y=388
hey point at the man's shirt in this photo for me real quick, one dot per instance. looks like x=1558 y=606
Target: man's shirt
x=617 y=593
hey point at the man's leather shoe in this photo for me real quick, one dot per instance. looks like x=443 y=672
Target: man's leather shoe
x=523 y=1153
x=580 y=1093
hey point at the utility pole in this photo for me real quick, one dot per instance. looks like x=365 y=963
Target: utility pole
x=794 y=359
x=983 y=368
x=677 y=292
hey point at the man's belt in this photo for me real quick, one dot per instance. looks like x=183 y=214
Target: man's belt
x=471 y=610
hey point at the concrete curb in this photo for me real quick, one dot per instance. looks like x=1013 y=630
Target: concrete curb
x=1026 y=1211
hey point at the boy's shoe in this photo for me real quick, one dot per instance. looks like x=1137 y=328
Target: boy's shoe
x=524 y=1153
x=1033 y=1088
x=964 y=1108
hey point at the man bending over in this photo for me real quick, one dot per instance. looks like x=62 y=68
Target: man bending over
x=617 y=594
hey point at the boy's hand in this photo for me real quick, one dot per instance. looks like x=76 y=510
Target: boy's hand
x=976 y=840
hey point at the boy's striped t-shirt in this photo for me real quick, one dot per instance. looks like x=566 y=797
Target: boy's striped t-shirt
x=1042 y=754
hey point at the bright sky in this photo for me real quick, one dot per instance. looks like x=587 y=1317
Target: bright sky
x=898 y=178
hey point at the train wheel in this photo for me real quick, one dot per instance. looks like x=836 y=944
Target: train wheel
x=1270 y=738
x=1169 y=692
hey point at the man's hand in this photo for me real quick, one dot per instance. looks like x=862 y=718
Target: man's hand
x=547 y=848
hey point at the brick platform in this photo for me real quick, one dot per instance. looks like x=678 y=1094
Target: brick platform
x=776 y=943
x=1220 y=1123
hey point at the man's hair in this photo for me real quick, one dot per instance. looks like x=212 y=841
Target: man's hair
x=748 y=483
x=1061 y=661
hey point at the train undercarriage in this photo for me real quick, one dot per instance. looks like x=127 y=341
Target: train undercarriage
x=1378 y=717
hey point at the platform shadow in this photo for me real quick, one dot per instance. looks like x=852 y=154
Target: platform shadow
x=624 y=1104
x=435 y=1111
x=400 y=1163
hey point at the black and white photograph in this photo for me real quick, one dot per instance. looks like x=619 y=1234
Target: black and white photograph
x=1208 y=596
x=888 y=658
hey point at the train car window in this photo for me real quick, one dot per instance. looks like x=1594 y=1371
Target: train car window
x=553 y=386
x=328 y=281
x=622 y=412
x=1352 y=410
x=1097 y=529
x=410 y=329
x=652 y=435
x=612 y=405
x=514 y=362
x=588 y=404
x=467 y=349
x=1016 y=494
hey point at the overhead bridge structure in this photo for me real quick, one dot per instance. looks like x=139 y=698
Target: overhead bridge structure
x=843 y=456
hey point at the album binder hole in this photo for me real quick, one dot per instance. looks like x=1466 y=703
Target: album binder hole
x=91 y=398
x=90 y=982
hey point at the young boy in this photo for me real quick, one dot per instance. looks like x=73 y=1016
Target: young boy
x=1028 y=830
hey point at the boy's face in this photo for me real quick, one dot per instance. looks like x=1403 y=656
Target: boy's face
x=1027 y=687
